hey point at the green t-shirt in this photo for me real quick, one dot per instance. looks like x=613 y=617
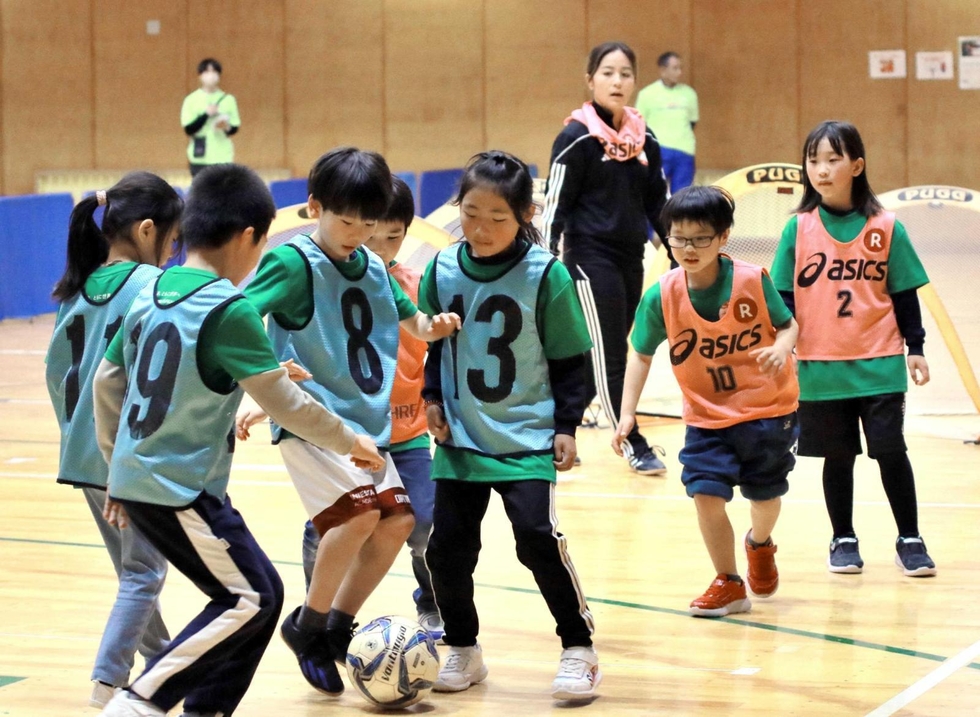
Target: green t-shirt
x=831 y=380
x=563 y=331
x=650 y=329
x=670 y=112
x=232 y=345
x=218 y=147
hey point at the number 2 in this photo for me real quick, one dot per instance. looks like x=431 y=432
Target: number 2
x=844 y=296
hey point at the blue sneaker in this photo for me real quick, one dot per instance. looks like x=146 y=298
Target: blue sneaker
x=912 y=558
x=315 y=656
x=647 y=464
x=844 y=556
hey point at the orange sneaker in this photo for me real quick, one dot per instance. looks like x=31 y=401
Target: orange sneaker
x=722 y=597
x=762 y=576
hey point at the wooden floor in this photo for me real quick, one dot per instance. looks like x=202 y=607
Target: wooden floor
x=823 y=645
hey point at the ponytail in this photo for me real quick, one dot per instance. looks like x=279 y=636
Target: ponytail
x=87 y=249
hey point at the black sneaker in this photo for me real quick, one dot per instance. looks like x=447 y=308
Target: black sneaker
x=339 y=640
x=844 y=556
x=315 y=656
x=647 y=464
x=912 y=558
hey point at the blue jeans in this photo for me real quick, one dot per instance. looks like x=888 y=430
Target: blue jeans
x=415 y=468
x=135 y=622
x=678 y=168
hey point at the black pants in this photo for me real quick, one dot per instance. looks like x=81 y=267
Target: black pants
x=211 y=662
x=609 y=288
x=454 y=548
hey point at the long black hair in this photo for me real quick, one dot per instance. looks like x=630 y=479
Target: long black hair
x=137 y=196
x=506 y=175
x=844 y=140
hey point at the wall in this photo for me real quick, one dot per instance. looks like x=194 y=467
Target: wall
x=430 y=82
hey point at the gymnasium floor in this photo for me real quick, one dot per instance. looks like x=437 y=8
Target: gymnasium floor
x=873 y=644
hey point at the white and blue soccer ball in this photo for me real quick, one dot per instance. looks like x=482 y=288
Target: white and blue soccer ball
x=392 y=661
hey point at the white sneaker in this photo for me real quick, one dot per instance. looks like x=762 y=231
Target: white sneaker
x=126 y=704
x=578 y=674
x=101 y=694
x=464 y=667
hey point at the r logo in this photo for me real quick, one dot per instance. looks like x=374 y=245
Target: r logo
x=745 y=310
x=874 y=240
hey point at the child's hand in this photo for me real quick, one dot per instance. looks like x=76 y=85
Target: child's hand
x=436 y=418
x=771 y=359
x=444 y=325
x=565 y=451
x=296 y=372
x=365 y=454
x=246 y=418
x=114 y=512
x=918 y=370
x=626 y=424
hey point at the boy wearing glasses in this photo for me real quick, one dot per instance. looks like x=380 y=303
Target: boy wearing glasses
x=731 y=341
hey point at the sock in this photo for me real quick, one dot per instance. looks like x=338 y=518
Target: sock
x=758 y=545
x=838 y=493
x=734 y=578
x=899 y=484
x=338 y=620
x=310 y=620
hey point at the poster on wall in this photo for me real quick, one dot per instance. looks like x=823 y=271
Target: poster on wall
x=934 y=65
x=970 y=62
x=886 y=64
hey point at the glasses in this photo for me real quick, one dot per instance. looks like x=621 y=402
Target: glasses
x=696 y=242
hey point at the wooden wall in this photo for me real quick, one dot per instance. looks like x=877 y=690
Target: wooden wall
x=430 y=82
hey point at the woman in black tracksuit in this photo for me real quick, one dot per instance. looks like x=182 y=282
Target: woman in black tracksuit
x=606 y=182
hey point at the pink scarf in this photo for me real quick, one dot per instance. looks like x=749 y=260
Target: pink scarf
x=622 y=145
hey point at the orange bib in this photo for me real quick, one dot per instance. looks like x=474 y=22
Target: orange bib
x=722 y=385
x=407 y=410
x=842 y=301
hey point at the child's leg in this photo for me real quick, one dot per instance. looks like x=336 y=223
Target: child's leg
x=212 y=661
x=717 y=533
x=415 y=468
x=831 y=430
x=454 y=548
x=311 y=542
x=530 y=506
x=883 y=418
x=135 y=621
x=335 y=558
x=838 y=493
x=764 y=514
x=899 y=483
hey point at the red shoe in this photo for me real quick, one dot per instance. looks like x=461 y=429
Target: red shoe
x=722 y=597
x=762 y=576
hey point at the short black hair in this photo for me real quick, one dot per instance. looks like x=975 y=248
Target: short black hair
x=713 y=206
x=402 y=207
x=208 y=62
x=600 y=51
x=349 y=181
x=226 y=199
x=844 y=139
x=509 y=177
x=664 y=59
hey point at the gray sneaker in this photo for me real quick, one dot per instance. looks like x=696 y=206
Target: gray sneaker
x=647 y=464
x=912 y=558
x=844 y=556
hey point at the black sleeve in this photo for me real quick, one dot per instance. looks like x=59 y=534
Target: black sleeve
x=568 y=386
x=655 y=196
x=433 y=377
x=789 y=298
x=565 y=176
x=231 y=130
x=196 y=125
x=909 y=318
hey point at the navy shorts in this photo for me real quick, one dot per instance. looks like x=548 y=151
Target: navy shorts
x=756 y=456
x=831 y=428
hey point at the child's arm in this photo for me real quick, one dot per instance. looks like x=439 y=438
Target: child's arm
x=568 y=386
x=772 y=358
x=637 y=370
x=108 y=391
x=908 y=315
x=433 y=328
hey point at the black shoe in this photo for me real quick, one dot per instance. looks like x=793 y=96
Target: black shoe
x=647 y=464
x=315 y=656
x=913 y=559
x=339 y=639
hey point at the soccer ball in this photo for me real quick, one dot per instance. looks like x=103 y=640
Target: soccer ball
x=392 y=661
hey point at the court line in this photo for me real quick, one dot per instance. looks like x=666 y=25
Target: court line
x=615 y=603
x=913 y=692
x=9 y=680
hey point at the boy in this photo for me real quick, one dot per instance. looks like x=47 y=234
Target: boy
x=172 y=377
x=731 y=339
x=332 y=300
x=409 y=437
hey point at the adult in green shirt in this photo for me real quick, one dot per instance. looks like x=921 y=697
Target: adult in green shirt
x=210 y=117
x=670 y=109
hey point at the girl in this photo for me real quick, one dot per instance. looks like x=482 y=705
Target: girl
x=105 y=270
x=504 y=423
x=848 y=270
x=605 y=185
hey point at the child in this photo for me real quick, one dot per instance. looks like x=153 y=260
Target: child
x=503 y=400
x=409 y=439
x=731 y=339
x=336 y=311
x=855 y=299
x=106 y=268
x=170 y=382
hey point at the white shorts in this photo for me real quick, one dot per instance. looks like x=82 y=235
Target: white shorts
x=333 y=490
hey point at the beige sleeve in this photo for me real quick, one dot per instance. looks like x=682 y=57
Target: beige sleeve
x=108 y=391
x=297 y=411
